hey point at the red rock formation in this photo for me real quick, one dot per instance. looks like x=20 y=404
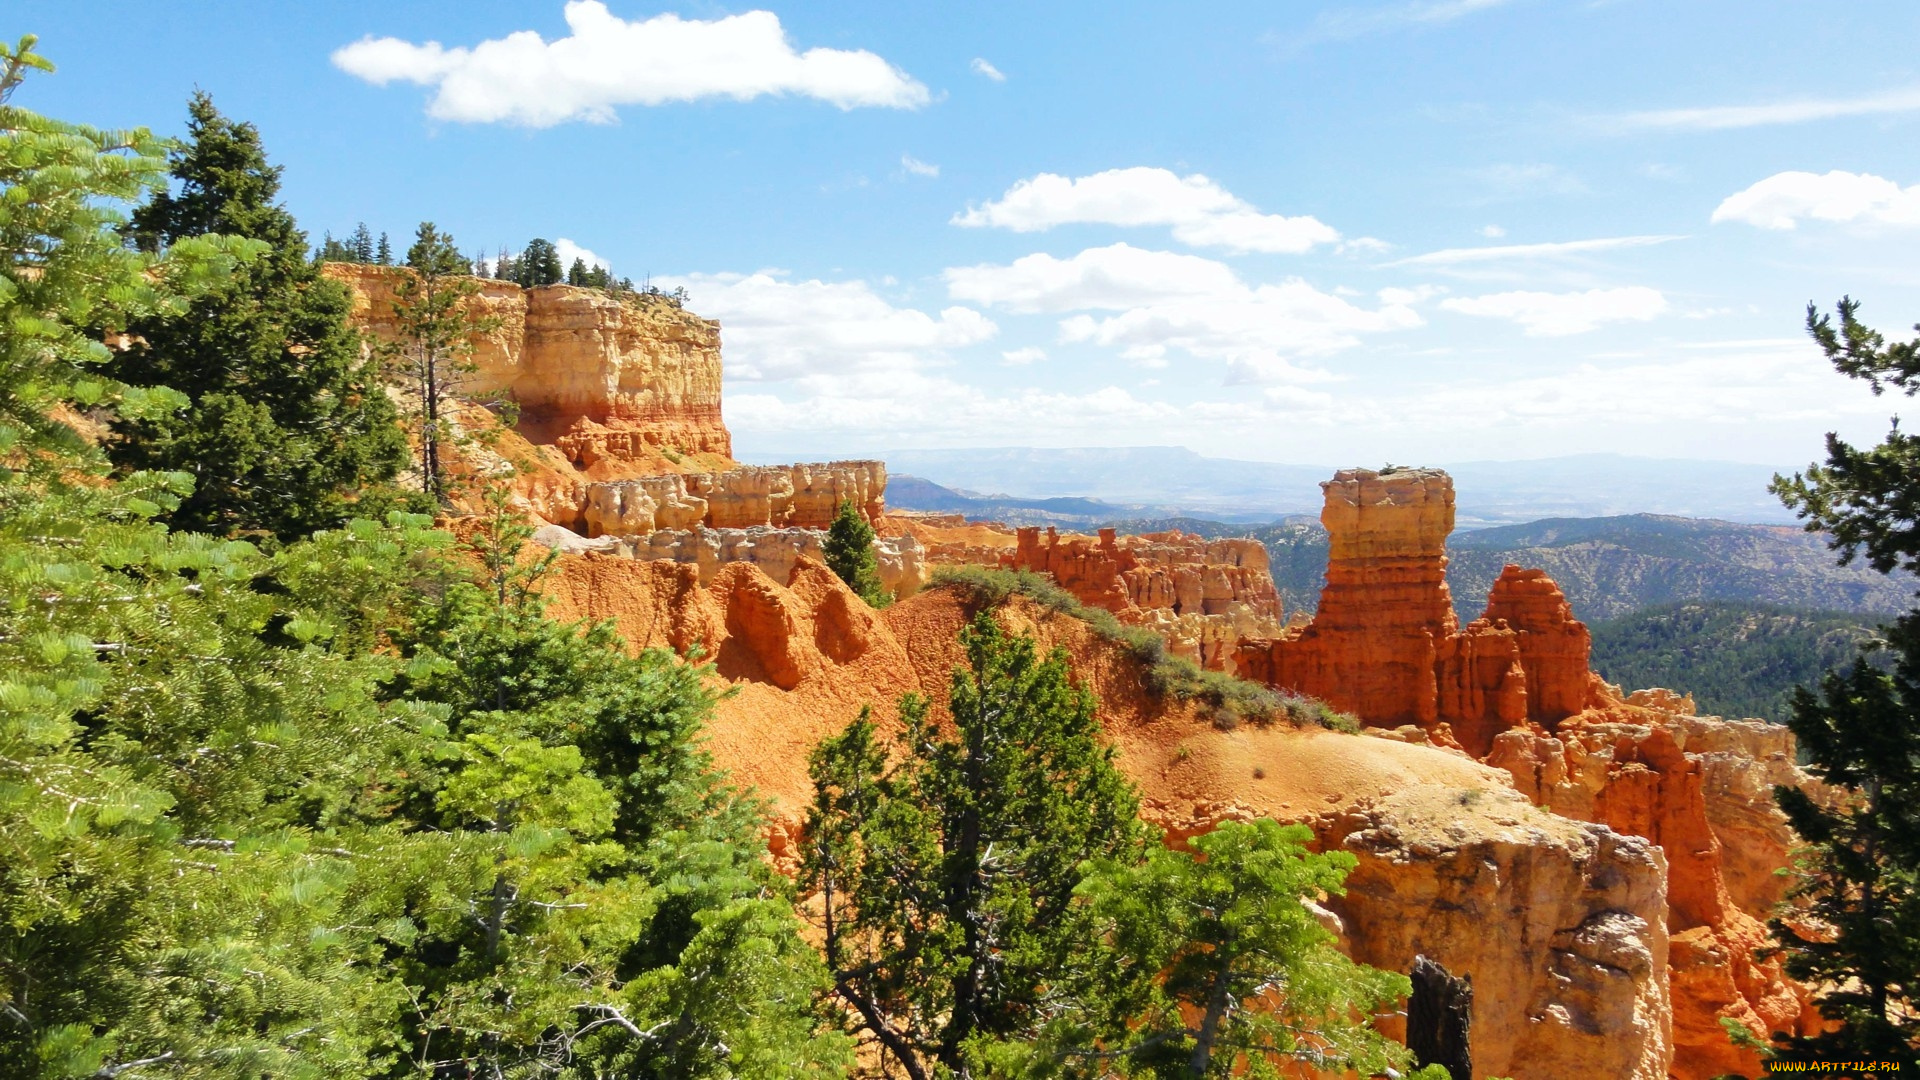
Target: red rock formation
x=1628 y=767
x=1553 y=645
x=1203 y=596
x=1385 y=645
x=599 y=375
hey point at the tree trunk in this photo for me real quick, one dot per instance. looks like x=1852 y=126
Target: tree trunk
x=1438 y=1016
x=1218 y=999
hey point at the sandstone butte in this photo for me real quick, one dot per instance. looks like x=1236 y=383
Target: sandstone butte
x=1598 y=863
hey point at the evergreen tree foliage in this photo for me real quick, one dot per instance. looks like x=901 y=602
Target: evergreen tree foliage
x=352 y=808
x=67 y=279
x=287 y=427
x=948 y=876
x=361 y=243
x=849 y=553
x=538 y=265
x=1861 y=877
x=331 y=250
x=384 y=253
x=1237 y=977
x=437 y=326
x=577 y=273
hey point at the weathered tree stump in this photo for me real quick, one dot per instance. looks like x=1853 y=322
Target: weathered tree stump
x=1438 y=1016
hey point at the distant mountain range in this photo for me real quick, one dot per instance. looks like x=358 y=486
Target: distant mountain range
x=1613 y=566
x=1168 y=481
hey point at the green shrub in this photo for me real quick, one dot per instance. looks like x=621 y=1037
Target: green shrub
x=1223 y=699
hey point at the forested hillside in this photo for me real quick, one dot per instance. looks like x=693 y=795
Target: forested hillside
x=1736 y=659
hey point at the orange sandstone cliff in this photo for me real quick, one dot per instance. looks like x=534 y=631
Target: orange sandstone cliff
x=598 y=375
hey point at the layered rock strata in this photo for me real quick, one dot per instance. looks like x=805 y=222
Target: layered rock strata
x=1203 y=596
x=596 y=374
x=775 y=552
x=1384 y=643
x=1630 y=767
x=803 y=496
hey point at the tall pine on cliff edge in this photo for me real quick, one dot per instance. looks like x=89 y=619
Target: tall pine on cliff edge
x=286 y=425
x=849 y=553
x=1861 y=880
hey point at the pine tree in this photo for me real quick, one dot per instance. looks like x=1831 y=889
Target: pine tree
x=849 y=553
x=1861 y=879
x=1243 y=981
x=384 y=253
x=948 y=876
x=67 y=280
x=538 y=265
x=577 y=273
x=332 y=250
x=437 y=327
x=287 y=427
x=361 y=242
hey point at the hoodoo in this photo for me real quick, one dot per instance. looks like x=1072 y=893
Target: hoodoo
x=1385 y=644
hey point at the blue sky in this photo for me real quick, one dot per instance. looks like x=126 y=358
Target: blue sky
x=1432 y=230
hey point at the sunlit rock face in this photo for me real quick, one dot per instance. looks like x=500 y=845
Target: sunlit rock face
x=1385 y=644
x=595 y=374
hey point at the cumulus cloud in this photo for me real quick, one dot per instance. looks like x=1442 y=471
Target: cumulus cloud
x=569 y=251
x=606 y=61
x=1115 y=277
x=1168 y=301
x=1511 y=252
x=1782 y=200
x=922 y=408
x=913 y=166
x=1201 y=212
x=1031 y=354
x=985 y=70
x=1724 y=117
x=775 y=329
x=1545 y=314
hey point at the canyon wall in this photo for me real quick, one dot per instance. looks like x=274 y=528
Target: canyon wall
x=1203 y=596
x=773 y=551
x=596 y=374
x=803 y=496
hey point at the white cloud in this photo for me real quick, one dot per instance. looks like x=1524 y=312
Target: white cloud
x=1722 y=117
x=1783 y=199
x=1201 y=212
x=569 y=251
x=774 y=329
x=606 y=61
x=1492 y=232
x=1509 y=252
x=1115 y=277
x=1166 y=301
x=918 y=408
x=915 y=167
x=1559 y=314
x=982 y=68
x=1031 y=354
